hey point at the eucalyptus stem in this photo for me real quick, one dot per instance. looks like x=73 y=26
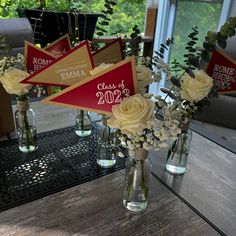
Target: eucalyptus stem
x=130 y=183
x=173 y=86
x=144 y=179
x=82 y=119
x=27 y=130
x=175 y=144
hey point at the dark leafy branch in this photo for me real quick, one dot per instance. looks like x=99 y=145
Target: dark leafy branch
x=105 y=17
x=134 y=42
x=163 y=47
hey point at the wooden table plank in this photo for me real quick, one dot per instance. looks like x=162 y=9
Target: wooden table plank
x=95 y=208
x=209 y=184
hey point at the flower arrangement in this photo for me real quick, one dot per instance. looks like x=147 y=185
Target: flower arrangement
x=10 y=77
x=190 y=87
x=134 y=118
x=144 y=121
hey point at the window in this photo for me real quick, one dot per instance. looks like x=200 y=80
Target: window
x=176 y=18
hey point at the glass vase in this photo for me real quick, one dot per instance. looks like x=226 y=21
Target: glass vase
x=178 y=153
x=25 y=125
x=138 y=169
x=83 y=124
x=106 y=155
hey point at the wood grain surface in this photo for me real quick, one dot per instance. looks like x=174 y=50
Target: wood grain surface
x=209 y=184
x=95 y=208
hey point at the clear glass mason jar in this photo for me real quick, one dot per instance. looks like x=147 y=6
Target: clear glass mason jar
x=83 y=124
x=137 y=174
x=178 y=153
x=106 y=155
x=25 y=125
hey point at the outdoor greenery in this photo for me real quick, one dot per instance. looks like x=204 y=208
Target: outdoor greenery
x=204 y=15
x=126 y=13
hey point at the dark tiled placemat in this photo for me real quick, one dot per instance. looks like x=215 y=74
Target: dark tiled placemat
x=62 y=160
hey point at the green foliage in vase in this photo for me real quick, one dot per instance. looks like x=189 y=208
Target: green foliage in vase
x=195 y=59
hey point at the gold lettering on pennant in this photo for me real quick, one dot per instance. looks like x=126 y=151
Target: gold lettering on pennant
x=39 y=63
x=72 y=74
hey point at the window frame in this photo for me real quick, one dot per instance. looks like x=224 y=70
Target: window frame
x=165 y=27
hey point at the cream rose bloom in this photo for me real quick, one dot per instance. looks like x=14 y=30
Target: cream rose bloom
x=11 y=82
x=144 y=78
x=195 y=89
x=100 y=68
x=132 y=114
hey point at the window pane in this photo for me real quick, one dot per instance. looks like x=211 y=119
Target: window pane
x=203 y=14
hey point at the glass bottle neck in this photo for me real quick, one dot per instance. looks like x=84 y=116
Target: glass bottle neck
x=22 y=103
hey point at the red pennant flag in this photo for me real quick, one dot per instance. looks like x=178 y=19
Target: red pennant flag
x=111 y=53
x=65 y=70
x=221 y=67
x=60 y=46
x=101 y=91
x=36 y=58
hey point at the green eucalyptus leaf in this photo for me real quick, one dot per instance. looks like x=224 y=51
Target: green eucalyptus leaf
x=222 y=42
x=200 y=49
x=194 y=60
x=160 y=55
x=211 y=36
x=159 y=116
x=133 y=35
x=171 y=95
x=183 y=67
x=110 y=12
x=191 y=43
x=108 y=6
x=190 y=72
x=188 y=47
x=209 y=47
x=232 y=33
x=162 y=50
x=104 y=23
x=192 y=50
x=100 y=33
x=113 y=3
x=165 y=90
x=164 y=46
x=104 y=17
x=194 y=38
x=175 y=81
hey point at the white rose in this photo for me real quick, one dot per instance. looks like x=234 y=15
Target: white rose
x=144 y=78
x=11 y=82
x=195 y=89
x=100 y=68
x=132 y=114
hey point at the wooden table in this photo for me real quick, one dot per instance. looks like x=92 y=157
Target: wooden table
x=201 y=202
x=95 y=208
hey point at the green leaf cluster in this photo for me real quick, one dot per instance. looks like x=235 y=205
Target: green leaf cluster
x=105 y=17
x=134 y=43
x=124 y=15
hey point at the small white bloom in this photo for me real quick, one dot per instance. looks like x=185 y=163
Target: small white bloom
x=121 y=154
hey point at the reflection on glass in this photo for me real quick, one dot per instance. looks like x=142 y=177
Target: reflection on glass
x=173 y=181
